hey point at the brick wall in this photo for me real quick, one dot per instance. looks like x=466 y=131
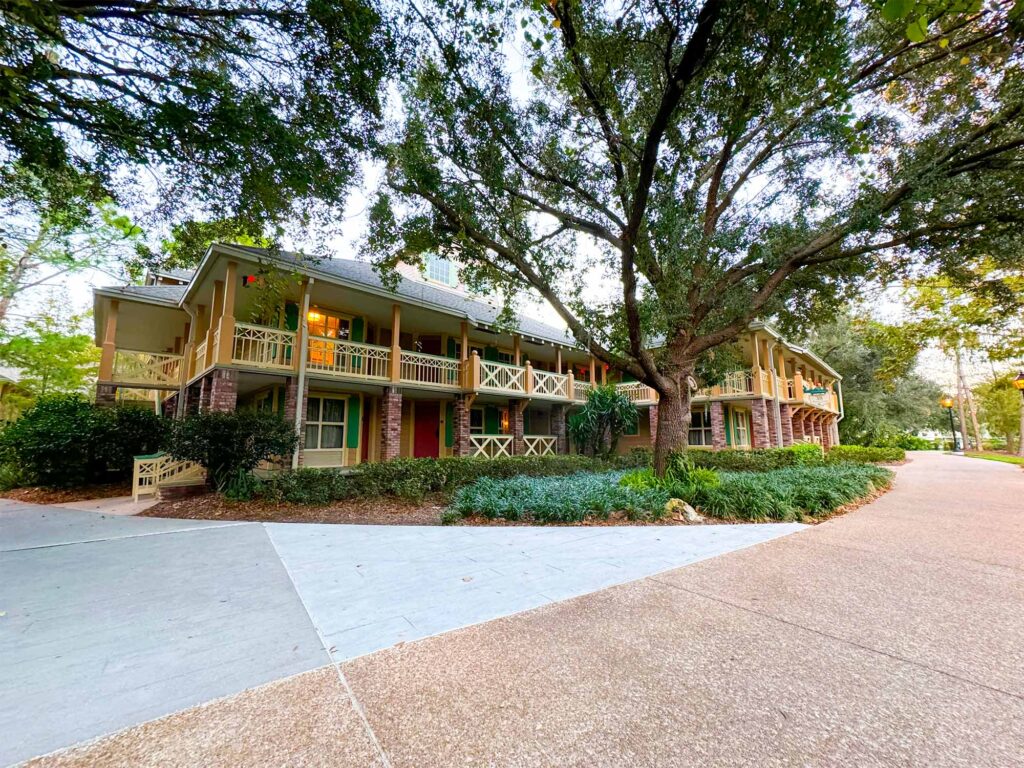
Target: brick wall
x=106 y=395
x=826 y=433
x=787 y=423
x=759 y=424
x=291 y=402
x=717 y=426
x=460 y=427
x=796 y=426
x=223 y=389
x=515 y=425
x=390 y=424
x=558 y=428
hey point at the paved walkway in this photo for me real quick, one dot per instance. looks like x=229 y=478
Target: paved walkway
x=109 y=621
x=891 y=636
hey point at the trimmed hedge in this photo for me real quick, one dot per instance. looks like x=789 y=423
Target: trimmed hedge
x=863 y=454
x=414 y=478
x=568 y=499
x=759 y=459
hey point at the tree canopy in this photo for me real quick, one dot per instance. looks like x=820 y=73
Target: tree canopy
x=664 y=172
x=247 y=108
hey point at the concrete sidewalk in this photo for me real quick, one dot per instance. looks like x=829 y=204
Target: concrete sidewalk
x=890 y=636
x=109 y=621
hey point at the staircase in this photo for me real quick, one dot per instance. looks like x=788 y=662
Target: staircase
x=158 y=469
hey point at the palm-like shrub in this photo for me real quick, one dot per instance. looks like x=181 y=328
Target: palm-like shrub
x=597 y=427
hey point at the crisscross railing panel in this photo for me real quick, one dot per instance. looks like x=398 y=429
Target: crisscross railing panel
x=348 y=358
x=262 y=346
x=550 y=384
x=502 y=376
x=135 y=367
x=421 y=368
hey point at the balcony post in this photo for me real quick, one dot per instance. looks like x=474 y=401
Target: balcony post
x=528 y=378
x=570 y=387
x=593 y=371
x=558 y=359
x=215 y=312
x=396 y=349
x=756 y=379
x=226 y=348
x=472 y=367
x=798 y=387
x=302 y=327
x=464 y=347
x=109 y=346
x=516 y=351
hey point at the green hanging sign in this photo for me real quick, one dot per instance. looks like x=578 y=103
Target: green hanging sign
x=815 y=391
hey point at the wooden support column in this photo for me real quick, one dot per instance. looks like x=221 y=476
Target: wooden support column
x=516 y=351
x=215 y=312
x=558 y=359
x=604 y=374
x=593 y=370
x=109 y=346
x=464 y=348
x=225 y=351
x=302 y=327
x=396 y=349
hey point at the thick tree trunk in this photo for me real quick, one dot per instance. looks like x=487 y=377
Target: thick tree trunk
x=673 y=424
x=971 y=409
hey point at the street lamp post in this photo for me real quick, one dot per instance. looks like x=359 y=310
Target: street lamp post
x=1018 y=382
x=947 y=403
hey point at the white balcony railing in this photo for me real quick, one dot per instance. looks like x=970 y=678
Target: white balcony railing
x=348 y=358
x=734 y=383
x=767 y=382
x=539 y=445
x=637 y=392
x=581 y=389
x=491 y=446
x=157 y=369
x=262 y=346
x=502 y=377
x=421 y=368
x=550 y=384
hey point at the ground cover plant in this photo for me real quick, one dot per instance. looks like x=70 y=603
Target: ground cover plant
x=993 y=456
x=569 y=499
x=791 y=493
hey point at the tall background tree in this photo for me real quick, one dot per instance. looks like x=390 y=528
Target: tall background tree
x=251 y=109
x=713 y=162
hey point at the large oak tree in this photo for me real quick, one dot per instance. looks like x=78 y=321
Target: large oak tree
x=716 y=161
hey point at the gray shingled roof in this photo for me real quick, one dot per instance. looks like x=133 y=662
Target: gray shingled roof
x=362 y=273
x=184 y=275
x=165 y=294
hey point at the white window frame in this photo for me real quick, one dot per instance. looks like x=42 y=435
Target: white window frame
x=705 y=429
x=740 y=426
x=445 y=274
x=477 y=430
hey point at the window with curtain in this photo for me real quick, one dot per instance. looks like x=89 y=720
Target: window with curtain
x=476 y=421
x=325 y=423
x=741 y=426
x=700 y=428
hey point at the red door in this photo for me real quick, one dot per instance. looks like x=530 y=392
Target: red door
x=426 y=429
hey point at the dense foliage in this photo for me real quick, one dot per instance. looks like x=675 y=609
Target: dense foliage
x=883 y=397
x=717 y=161
x=66 y=441
x=245 y=108
x=596 y=428
x=229 y=446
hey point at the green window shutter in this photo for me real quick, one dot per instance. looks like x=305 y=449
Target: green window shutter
x=491 y=353
x=451 y=347
x=727 y=417
x=280 y=393
x=526 y=421
x=492 y=421
x=291 y=316
x=354 y=424
x=358 y=330
x=449 y=423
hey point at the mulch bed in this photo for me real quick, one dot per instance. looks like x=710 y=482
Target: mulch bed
x=64 y=495
x=379 y=511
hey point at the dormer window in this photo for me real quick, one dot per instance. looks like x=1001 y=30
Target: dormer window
x=440 y=270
